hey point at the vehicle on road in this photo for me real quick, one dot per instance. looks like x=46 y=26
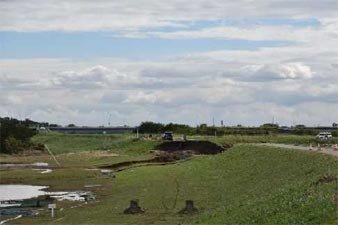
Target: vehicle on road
x=168 y=136
x=324 y=136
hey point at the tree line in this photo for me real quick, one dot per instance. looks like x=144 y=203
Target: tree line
x=203 y=129
x=15 y=135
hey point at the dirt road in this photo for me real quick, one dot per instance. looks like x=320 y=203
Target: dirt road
x=328 y=151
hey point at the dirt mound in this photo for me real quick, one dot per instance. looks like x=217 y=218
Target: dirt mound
x=198 y=147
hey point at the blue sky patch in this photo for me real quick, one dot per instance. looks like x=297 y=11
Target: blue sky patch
x=103 y=44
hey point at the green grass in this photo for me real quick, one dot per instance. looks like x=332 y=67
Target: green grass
x=274 y=138
x=74 y=150
x=118 y=143
x=127 y=144
x=246 y=185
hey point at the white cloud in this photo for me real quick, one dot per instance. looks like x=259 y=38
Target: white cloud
x=223 y=89
x=284 y=71
x=95 y=77
x=79 y=15
x=297 y=82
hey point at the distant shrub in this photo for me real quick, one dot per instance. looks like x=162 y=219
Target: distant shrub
x=13 y=146
x=15 y=135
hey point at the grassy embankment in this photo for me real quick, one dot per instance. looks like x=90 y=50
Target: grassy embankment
x=87 y=150
x=274 y=138
x=246 y=185
x=91 y=150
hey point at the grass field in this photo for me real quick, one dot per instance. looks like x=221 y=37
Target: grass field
x=274 y=138
x=87 y=150
x=119 y=143
x=125 y=143
x=246 y=185
x=92 y=150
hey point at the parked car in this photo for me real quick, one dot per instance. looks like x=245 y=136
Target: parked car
x=168 y=136
x=324 y=136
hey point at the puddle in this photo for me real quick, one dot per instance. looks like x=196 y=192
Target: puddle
x=37 y=165
x=43 y=171
x=72 y=196
x=92 y=185
x=25 y=200
x=13 y=195
x=19 y=192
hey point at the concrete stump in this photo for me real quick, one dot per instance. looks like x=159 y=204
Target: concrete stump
x=134 y=208
x=189 y=208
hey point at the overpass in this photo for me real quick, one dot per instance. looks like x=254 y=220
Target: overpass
x=93 y=130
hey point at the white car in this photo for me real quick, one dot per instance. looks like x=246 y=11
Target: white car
x=324 y=136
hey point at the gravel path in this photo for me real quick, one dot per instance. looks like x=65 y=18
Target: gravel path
x=328 y=151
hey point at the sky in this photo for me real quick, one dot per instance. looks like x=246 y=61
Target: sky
x=109 y=62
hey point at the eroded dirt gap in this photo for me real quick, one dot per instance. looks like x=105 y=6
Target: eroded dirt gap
x=197 y=147
x=162 y=158
x=171 y=152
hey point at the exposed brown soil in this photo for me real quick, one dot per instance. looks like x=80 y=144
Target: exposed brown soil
x=197 y=147
x=172 y=152
x=162 y=158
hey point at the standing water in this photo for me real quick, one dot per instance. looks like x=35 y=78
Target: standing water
x=19 y=192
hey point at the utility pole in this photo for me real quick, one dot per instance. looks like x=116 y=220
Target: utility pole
x=0 y=137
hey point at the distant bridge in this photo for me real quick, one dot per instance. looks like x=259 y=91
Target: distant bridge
x=93 y=130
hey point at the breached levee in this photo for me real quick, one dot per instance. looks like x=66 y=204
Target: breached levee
x=197 y=147
x=172 y=152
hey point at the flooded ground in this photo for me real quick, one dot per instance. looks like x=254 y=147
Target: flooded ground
x=12 y=195
x=18 y=200
x=19 y=192
x=40 y=167
x=37 y=165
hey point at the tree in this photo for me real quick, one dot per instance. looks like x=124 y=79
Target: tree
x=300 y=126
x=14 y=135
x=178 y=128
x=269 y=125
x=13 y=145
x=150 y=127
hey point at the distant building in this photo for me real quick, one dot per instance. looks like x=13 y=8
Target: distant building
x=93 y=130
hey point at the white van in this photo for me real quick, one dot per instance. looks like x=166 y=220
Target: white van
x=324 y=136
